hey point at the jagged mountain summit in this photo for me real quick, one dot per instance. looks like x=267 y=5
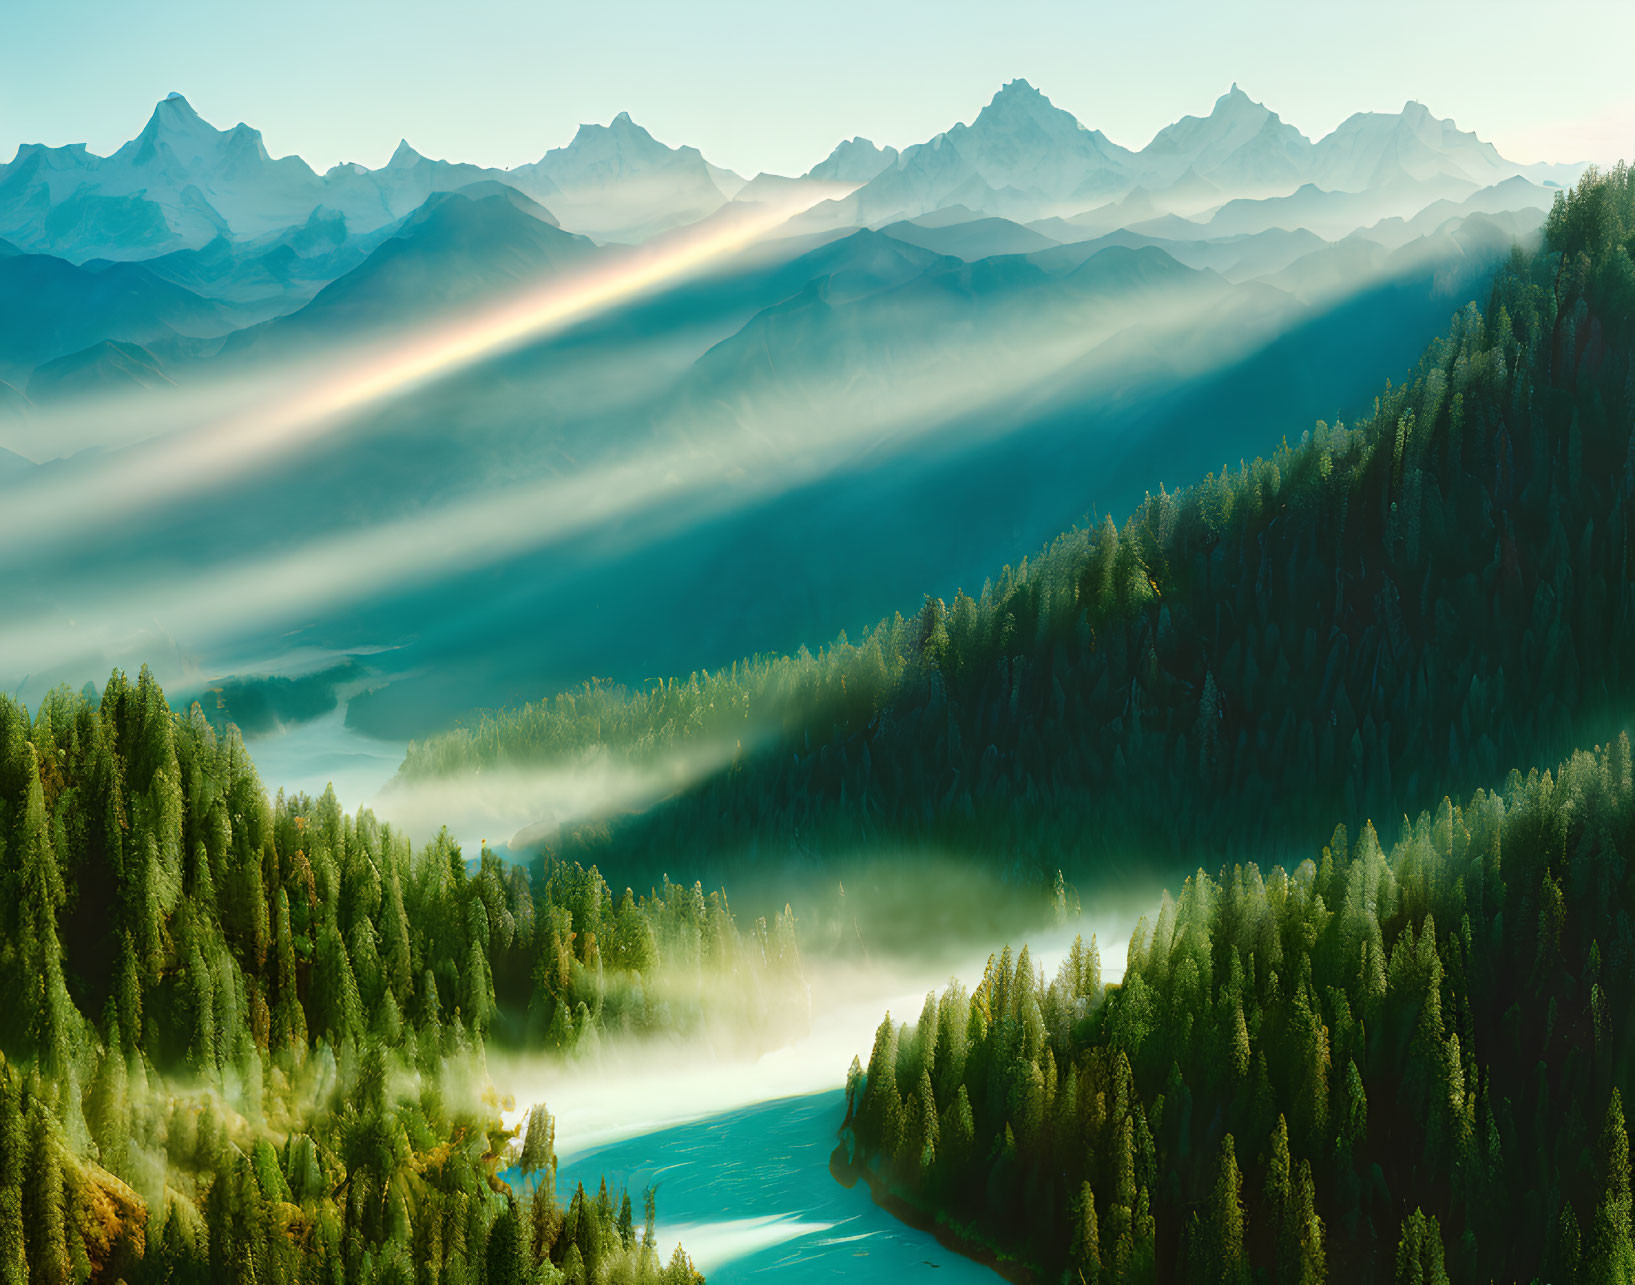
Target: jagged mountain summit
x=1023 y=142
x=1021 y=154
x=1241 y=146
x=854 y=160
x=1026 y=159
x=616 y=182
x=1374 y=149
x=181 y=183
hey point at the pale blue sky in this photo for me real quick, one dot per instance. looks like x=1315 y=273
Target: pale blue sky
x=774 y=84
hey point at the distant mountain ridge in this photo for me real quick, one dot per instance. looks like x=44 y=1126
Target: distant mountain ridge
x=50 y=308
x=453 y=251
x=617 y=182
x=181 y=183
x=1025 y=158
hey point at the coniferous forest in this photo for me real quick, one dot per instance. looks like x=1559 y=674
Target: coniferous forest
x=1405 y=1064
x=245 y=1038
x=1360 y=702
x=1402 y=608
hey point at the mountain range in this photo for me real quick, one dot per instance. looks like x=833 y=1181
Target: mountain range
x=957 y=349
x=182 y=183
x=1024 y=158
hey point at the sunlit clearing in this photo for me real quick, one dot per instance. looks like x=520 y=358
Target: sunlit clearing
x=171 y=467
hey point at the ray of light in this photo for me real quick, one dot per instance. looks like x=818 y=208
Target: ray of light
x=169 y=468
x=815 y=430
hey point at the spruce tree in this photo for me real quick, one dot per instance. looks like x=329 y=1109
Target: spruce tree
x=1086 y=1254
x=1612 y=1253
x=1223 y=1255
x=504 y=1263
x=108 y=1111
x=45 y=1202
x=1419 y=1251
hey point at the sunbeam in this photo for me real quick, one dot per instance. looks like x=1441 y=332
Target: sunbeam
x=71 y=503
x=798 y=435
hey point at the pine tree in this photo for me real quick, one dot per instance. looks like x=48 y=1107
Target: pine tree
x=927 y=1130
x=544 y=1222
x=337 y=1006
x=1565 y=1251
x=627 y=1224
x=289 y=1020
x=1238 y=1055
x=13 y=1242
x=201 y=992
x=1612 y=1253
x=880 y=1088
x=109 y=1113
x=1086 y=1254
x=539 y=1146
x=477 y=993
x=1280 y=1203
x=128 y=996
x=45 y=1206
x=854 y=1084
x=1221 y=1254
x=13 y=1162
x=1312 y=1266
x=395 y=955
x=504 y=1263
x=49 y=1010
x=1419 y=1251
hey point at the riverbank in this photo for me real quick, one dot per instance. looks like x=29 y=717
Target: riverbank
x=848 y=1174
x=739 y=1150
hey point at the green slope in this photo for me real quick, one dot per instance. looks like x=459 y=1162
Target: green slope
x=1371 y=1065
x=1307 y=1075
x=1379 y=613
x=244 y=1038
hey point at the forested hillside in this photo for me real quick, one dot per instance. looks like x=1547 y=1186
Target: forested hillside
x=1375 y=614
x=244 y=1039
x=1406 y=1065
